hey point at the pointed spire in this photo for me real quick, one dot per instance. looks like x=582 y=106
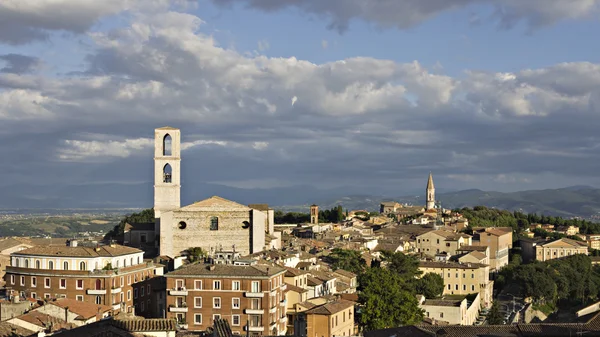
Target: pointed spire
x=430 y=182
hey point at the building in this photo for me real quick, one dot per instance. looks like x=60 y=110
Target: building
x=296 y=277
x=387 y=207
x=462 y=278
x=438 y=241
x=75 y=312
x=567 y=230
x=251 y=294
x=593 y=241
x=330 y=319
x=125 y=328
x=430 y=193
x=528 y=247
x=346 y=282
x=206 y=223
x=314 y=214
x=103 y=274
x=499 y=241
x=455 y=309
x=7 y=247
x=560 y=248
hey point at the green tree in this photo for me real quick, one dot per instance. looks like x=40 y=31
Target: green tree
x=386 y=300
x=196 y=254
x=346 y=259
x=406 y=266
x=145 y=216
x=494 y=317
x=430 y=285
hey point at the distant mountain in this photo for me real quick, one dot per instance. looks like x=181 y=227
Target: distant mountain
x=569 y=201
x=566 y=202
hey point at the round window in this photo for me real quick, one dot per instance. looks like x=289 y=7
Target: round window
x=182 y=225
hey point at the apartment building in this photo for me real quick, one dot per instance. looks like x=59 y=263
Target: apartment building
x=100 y=275
x=439 y=241
x=330 y=319
x=242 y=294
x=499 y=241
x=560 y=248
x=454 y=309
x=462 y=278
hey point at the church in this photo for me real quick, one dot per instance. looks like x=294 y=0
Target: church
x=212 y=224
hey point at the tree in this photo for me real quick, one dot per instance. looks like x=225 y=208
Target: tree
x=196 y=254
x=430 y=285
x=386 y=300
x=406 y=266
x=346 y=259
x=145 y=216
x=494 y=317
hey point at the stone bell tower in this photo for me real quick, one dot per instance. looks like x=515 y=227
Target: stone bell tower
x=314 y=214
x=167 y=170
x=430 y=193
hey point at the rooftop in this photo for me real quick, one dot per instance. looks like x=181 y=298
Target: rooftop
x=79 y=251
x=200 y=269
x=450 y=264
x=85 y=310
x=331 y=307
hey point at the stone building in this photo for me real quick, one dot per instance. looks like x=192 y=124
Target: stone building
x=314 y=214
x=103 y=274
x=560 y=248
x=211 y=223
x=452 y=309
x=430 y=193
x=499 y=241
x=248 y=294
x=330 y=319
x=439 y=241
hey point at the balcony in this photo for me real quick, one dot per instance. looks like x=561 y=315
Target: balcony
x=254 y=295
x=255 y=328
x=254 y=311
x=283 y=303
x=96 y=292
x=283 y=319
x=273 y=310
x=178 y=309
x=115 y=290
x=180 y=291
x=283 y=287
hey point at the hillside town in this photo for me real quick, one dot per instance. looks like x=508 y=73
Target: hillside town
x=217 y=267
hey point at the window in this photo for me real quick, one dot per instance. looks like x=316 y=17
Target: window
x=128 y=295
x=12 y=279
x=33 y=281
x=216 y=302
x=135 y=293
x=441 y=315
x=98 y=299
x=179 y=285
x=38 y=264
x=182 y=225
x=167 y=174
x=33 y=295
x=46 y=295
x=26 y=263
x=143 y=291
x=79 y=298
x=235 y=320
x=472 y=275
x=235 y=285
x=216 y=285
x=167 y=151
x=198 y=284
x=255 y=286
x=216 y=316
x=65 y=265
x=79 y=284
x=472 y=287
x=198 y=319
x=456 y=287
x=63 y=283
x=235 y=303
x=129 y=279
x=148 y=290
x=47 y=282
x=214 y=223
x=50 y=264
x=122 y=281
x=464 y=287
x=142 y=306
x=81 y=265
x=143 y=238
x=197 y=302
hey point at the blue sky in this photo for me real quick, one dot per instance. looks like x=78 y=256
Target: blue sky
x=495 y=94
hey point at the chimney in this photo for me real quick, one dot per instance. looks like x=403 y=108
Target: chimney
x=211 y=267
x=67 y=314
x=73 y=243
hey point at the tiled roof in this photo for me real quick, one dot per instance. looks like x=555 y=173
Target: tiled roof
x=477 y=255
x=143 y=325
x=345 y=273
x=312 y=281
x=497 y=231
x=221 y=328
x=331 y=307
x=143 y=226
x=473 y=248
x=43 y=320
x=291 y=272
x=84 y=309
x=224 y=270
x=442 y=303
x=11 y=330
x=449 y=264
x=260 y=207
x=291 y=287
x=9 y=243
x=79 y=251
x=566 y=242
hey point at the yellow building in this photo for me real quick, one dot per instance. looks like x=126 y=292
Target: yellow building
x=331 y=319
x=462 y=278
x=560 y=248
x=438 y=241
x=499 y=240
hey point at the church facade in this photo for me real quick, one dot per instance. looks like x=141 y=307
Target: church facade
x=212 y=224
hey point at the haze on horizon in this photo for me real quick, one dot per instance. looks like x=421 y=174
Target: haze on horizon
x=497 y=95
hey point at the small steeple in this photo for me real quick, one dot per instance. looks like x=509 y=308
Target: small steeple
x=430 y=182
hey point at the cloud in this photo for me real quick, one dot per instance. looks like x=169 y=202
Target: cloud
x=19 y=64
x=404 y=14
x=361 y=121
x=263 y=45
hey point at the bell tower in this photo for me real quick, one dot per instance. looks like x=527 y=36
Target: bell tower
x=167 y=170
x=430 y=193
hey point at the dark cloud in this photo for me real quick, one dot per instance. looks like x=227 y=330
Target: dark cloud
x=19 y=64
x=404 y=14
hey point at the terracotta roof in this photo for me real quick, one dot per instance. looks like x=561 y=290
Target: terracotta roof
x=84 y=309
x=291 y=287
x=225 y=270
x=473 y=248
x=345 y=273
x=313 y=281
x=10 y=243
x=42 y=320
x=497 y=231
x=260 y=207
x=349 y=297
x=323 y=275
x=291 y=272
x=143 y=325
x=79 y=251
x=477 y=255
x=142 y=226
x=566 y=242
x=11 y=330
x=331 y=307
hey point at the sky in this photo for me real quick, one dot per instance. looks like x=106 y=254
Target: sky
x=371 y=94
